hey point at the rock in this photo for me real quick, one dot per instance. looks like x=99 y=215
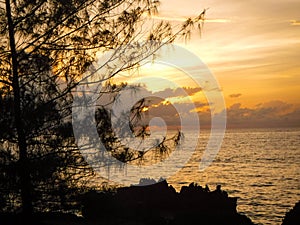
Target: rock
x=161 y=204
x=292 y=217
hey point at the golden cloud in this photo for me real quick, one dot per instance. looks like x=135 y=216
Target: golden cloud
x=295 y=22
x=182 y=19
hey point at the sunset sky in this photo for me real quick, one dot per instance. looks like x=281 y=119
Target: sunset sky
x=253 y=49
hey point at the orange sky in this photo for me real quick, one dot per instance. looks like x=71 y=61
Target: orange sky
x=254 y=49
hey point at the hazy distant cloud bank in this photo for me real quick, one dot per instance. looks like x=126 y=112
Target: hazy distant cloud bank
x=268 y=114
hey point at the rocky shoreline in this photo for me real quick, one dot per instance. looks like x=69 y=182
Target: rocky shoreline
x=157 y=204
x=161 y=204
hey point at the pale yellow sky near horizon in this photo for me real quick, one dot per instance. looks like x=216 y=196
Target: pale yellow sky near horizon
x=252 y=48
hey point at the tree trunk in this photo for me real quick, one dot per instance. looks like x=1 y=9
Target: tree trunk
x=23 y=168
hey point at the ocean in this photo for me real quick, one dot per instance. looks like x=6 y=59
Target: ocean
x=259 y=166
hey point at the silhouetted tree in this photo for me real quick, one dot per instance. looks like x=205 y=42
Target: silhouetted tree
x=54 y=162
x=45 y=47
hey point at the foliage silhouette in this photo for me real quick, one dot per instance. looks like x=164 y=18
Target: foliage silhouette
x=45 y=48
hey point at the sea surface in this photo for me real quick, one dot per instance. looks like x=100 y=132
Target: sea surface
x=259 y=166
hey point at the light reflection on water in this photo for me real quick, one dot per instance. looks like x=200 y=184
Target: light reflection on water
x=260 y=166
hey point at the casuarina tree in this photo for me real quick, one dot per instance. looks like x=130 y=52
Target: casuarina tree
x=45 y=48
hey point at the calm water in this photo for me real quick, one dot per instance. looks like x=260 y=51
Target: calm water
x=260 y=166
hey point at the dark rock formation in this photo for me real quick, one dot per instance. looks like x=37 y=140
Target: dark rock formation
x=161 y=204
x=292 y=217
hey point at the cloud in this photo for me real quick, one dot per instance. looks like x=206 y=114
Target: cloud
x=183 y=19
x=235 y=95
x=169 y=107
x=178 y=92
x=295 y=22
x=277 y=107
x=172 y=114
x=273 y=113
x=268 y=114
